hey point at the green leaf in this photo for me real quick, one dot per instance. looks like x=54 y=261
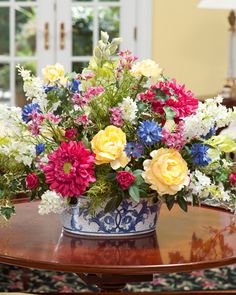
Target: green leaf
x=138 y=172
x=170 y=200
x=195 y=201
x=170 y=114
x=134 y=193
x=7 y=211
x=111 y=176
x=113 y=204
x=182 y=203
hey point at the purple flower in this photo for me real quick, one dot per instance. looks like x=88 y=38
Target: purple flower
x=199 y=154
x=134 y=149
x=149 y=132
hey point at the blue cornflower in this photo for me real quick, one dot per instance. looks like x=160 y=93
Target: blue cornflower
x=40 y=148
x=74 y=86
x=211 y=132
x=199 y=154
x=149 y=132
x=134 y=149
x=28 y=110
x=48 y=88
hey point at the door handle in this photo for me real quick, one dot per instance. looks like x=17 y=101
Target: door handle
x=62 y=36
x=46 y=36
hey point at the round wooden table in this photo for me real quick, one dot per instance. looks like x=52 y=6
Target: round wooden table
x=202 y=238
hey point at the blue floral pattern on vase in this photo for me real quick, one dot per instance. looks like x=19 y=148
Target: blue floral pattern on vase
x=130 y=218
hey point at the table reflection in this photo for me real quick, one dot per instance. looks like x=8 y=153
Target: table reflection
x=215 y=247
x=141 y=250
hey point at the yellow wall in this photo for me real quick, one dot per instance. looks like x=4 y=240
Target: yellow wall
x=191 y=44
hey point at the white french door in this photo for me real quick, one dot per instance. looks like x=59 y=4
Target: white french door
x=73 y=31
x=35 y=33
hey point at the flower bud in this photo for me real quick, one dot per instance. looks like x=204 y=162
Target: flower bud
x=104 y=37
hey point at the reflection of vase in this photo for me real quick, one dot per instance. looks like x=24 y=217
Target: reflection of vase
x=137 y=251
x=130 y=218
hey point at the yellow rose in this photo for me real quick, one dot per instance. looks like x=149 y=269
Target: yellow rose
x=167 y=172
x=108 y=146
x=147 y=68
x=53 y=73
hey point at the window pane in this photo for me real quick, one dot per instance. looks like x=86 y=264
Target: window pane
x=5 y=94
x=79 y=66
x=109 y=20
x=20 y=96
x=82 y=22
x=26 y=32
x=5 y=31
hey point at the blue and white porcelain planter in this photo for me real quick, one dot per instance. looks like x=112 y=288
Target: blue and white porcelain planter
x=130 y=218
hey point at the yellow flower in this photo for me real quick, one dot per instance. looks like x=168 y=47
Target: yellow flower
x=53 y=73
x=108 y=146
x=167 y=172
x=224 y=143
x=147 y=68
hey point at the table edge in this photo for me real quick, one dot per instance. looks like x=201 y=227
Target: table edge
x=147 y=269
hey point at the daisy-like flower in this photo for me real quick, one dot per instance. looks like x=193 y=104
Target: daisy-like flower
x=128 y=109
x=70 y=169
x=149 y=132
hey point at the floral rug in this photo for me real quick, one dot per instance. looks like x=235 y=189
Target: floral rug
x=45 y=281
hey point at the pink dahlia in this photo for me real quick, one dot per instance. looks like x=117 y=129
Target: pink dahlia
x=180 y=100
x=70 y=169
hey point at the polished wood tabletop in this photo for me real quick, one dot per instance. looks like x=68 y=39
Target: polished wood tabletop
x=202 y=238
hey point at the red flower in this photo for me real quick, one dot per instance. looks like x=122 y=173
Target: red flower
x=125 y=179
x=181 y=101
x=32 y=181
x=70 y=169
x=71 y=133
x=232 y=178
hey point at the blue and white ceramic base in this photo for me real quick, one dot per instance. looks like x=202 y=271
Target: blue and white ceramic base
x=130 y=218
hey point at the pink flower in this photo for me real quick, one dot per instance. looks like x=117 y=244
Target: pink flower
x=232 y=178
x=174 y=140
x=125 y=179
x=126 y=60
x=32 y=181
x=83 y=99
x=180 y=100
x=116 y=117
x=70 y=169
x=51 y=117
x=71 y=133
x=82 y=120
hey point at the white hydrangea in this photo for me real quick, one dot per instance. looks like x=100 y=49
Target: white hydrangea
x=9 y=120
x=209 y=114
x=129 y=109
x=200 y=184
x=51 y=202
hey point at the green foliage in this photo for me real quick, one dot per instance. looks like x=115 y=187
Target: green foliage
x=7 y=211
x=102 y=190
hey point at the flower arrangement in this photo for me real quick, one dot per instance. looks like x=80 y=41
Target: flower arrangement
x=118 y=130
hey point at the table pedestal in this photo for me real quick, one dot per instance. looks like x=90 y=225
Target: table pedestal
x=113 y=282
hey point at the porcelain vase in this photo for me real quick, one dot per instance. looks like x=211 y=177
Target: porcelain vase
x=129 y=219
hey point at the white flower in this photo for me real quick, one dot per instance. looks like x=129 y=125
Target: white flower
x=209 y=114
x=200 y=184
x=51 y=203
x=129 y=109
x=33 y=88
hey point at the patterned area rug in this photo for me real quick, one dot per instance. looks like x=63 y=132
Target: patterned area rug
x=45 y=281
